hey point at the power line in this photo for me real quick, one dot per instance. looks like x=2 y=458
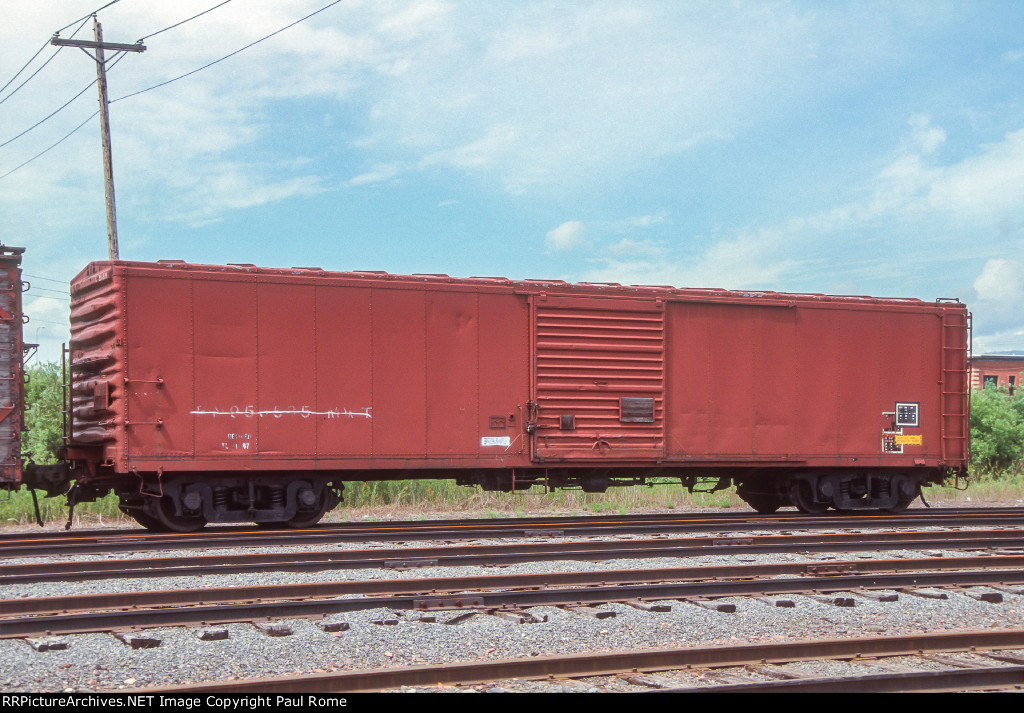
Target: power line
x=83 y=19
x=50 y=116
x=116 y=58
x=49 y=289
x=238 y=51
x=24 y=67
x=48 y=279
x=156 y=86
x=53 y=146
x=154 y=34
x=30 y=78
x=99 y=59
x=56 y=34
x=63 y=138
x=46 y=321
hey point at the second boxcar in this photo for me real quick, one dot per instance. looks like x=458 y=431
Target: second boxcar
x=12 y=371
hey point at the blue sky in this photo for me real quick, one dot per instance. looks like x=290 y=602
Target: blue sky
x=840 y=147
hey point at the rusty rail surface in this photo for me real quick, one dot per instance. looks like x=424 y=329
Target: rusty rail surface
x=602 y=664
x=469 y=555
x=949 y=680
x=42 y=544
x=454 y=585
x=105 y=612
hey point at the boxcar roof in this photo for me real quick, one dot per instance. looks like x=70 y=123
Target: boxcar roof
x=101 y=271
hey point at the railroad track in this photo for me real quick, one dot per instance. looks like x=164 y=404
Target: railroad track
x=998 y=663
x=505 y=554
x=500 y=593
x=668 y=596
x=33 y=544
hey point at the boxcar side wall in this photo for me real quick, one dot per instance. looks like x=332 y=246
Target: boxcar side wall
x=184 y=368
x=814 y=385
x=227 y=372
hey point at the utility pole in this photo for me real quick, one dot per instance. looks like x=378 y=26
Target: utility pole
x=101 y=80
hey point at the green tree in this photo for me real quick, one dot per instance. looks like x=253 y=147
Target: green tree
x=43 y=420
x=997 y=429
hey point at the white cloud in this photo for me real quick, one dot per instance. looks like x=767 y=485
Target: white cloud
x=497 y=142
x=528 y=96
x=926 y=136
x=204 y=142
x=751 y=260
x=999 y=295
x=566 y=236
x=1011 y=339
x=383 y=172
x=210 y=189
x=47 y=326
x=47 y=309
x=633 y=223
x=982 y=194
x=523 y=96
x=645 y=221
x=531 y=98
x=629 y=247
x=414 y=20
x=1001 y=281
x=1000 y=341
x=986 y=184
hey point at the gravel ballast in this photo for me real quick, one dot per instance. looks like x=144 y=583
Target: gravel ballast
x=382 y=638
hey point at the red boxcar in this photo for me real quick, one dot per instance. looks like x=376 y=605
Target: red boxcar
x=236 y=393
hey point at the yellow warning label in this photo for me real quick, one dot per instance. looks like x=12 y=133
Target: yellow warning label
x=909 y=440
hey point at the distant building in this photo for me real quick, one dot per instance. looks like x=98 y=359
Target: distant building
x=997 y=370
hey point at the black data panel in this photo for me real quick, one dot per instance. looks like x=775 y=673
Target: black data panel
x=907 y=415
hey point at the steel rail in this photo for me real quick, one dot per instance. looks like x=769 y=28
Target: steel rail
x=484 y=592
x=470 y=555
x=229 y=530
x=610 y=663
x=453 y=585
x=950 y=680
x=484 y=529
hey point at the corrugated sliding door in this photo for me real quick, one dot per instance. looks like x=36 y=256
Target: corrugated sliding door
x=599 y=379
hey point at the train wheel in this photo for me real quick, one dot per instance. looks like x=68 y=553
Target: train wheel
x=163 y=509
x=147 y=521
x=303 y=520
x=764 y=504
x=307 y=519
x=802 y=493
x=908 y=493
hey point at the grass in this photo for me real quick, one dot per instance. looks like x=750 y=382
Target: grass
x=16 y=508
x=991 y=487
x=427 y=499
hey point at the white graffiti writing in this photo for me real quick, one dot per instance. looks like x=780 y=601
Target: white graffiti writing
x=304 y=412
